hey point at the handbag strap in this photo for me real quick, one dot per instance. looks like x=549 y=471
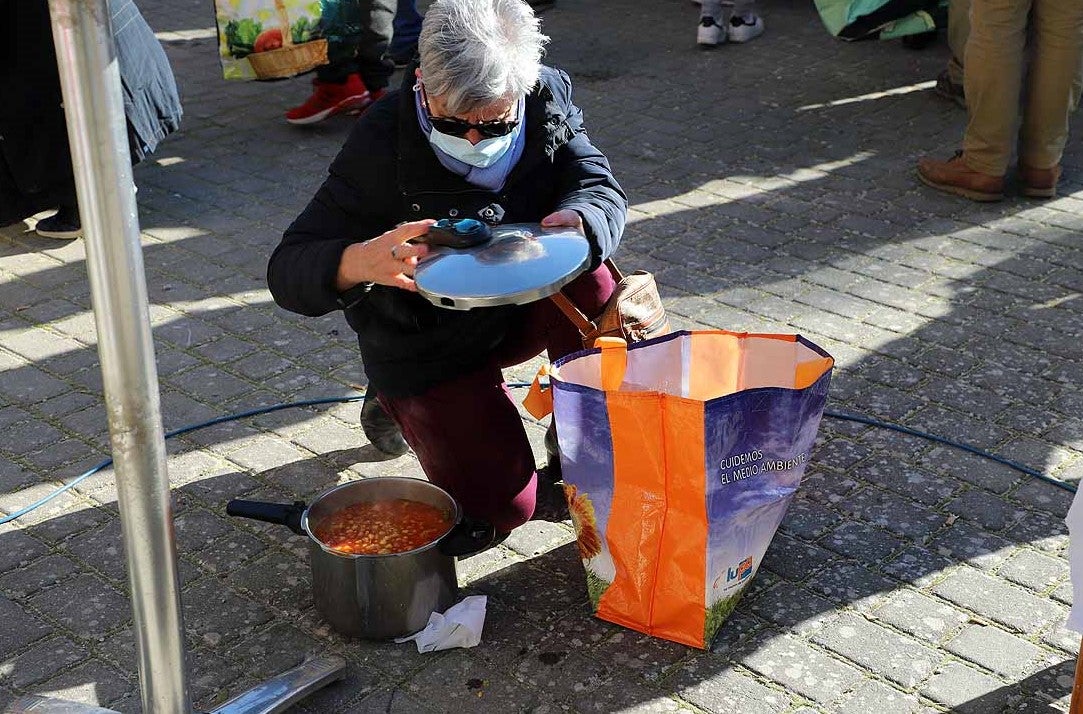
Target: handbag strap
x=617 y=275
x=573 y=313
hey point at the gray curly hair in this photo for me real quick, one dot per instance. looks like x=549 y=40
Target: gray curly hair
x=475 y=52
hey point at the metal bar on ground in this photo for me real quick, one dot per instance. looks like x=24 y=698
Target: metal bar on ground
x=90 y=80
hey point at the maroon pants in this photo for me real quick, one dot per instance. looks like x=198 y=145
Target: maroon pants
x=467 y=432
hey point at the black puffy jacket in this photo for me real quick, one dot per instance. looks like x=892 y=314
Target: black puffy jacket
x=387 y=173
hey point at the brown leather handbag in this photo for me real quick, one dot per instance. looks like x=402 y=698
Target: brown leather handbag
x=634 y=312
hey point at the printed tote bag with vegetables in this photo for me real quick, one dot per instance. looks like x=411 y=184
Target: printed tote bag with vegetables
x=680 y=456
x=273 y=39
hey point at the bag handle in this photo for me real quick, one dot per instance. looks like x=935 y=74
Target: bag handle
x=614 y=361
x=584 y=324
x=539 y=400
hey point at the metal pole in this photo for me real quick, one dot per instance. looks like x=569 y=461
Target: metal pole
x=97 y=133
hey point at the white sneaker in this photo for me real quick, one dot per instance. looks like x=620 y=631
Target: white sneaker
x=710 y=33
x=743 y=29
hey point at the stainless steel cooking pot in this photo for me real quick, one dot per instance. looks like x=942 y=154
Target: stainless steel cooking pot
x=378 y=596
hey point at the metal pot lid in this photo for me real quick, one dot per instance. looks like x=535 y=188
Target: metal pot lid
x=523 y=262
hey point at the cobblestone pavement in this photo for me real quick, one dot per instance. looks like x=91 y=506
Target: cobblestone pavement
x=772 y=190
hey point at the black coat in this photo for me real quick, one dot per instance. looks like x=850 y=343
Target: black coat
x=35 y=162
x=387 y=173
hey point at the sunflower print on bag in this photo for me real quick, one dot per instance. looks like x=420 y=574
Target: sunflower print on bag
x=588 y=538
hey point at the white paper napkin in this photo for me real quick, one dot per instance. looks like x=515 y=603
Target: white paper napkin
x=460 y=626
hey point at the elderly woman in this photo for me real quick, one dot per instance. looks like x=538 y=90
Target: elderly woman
x=479 y=128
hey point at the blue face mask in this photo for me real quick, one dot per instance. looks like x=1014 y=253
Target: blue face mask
x=483 y=154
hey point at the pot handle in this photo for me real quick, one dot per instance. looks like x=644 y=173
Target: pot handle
x=468 y=537
x=284 y=514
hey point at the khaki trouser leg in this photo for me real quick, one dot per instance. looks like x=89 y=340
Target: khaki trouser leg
x=958 y=31
x=992 y=80
x=1053 y=81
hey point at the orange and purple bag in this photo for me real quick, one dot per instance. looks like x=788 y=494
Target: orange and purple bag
x=680 y=456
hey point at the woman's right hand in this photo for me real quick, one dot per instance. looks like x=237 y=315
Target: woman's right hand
x=387 y=259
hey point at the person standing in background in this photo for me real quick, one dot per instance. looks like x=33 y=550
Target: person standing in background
x=357 y=72
x=406 y=28
x=949 y=83
x=995 y=75
x=35 y=160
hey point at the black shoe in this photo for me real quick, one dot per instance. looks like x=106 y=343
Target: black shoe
x=63 y=224
x=380 y=428
x=552 y=468
x=550 y=504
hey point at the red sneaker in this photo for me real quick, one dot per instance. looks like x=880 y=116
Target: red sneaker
x=328 y=99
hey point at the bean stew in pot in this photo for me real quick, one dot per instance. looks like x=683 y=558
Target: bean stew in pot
x=382 y=527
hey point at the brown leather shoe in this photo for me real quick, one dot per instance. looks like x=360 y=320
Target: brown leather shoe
x=1039 y=183
x=954 y=176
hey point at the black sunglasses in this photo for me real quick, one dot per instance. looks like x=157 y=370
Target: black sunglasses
x=459 y=127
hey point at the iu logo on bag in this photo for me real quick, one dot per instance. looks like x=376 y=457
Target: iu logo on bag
x=742 y=571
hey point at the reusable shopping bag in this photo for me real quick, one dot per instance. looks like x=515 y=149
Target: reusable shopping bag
x=273 y=39
x=680 y=456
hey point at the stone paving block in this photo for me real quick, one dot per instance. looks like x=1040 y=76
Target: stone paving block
x=209 y=384
x=1045 y=532
x=995 y=650
x=985 y=509
x=808 y=520
x=83 y=605
x=95 y=683
x=537 y=537
x=966 y=690
x=1011 y=606
x=652 y=658
x=386 y=700
x=229 y=551
x=329 y=434
x=967 y=543
x=863 y=542
x=878 y=649
x=556 y=672
x=28 y=437
x=1035 y=571
x=14 y=476
x=850 y=584
x=276 y=579
x=102 y=549
x=888 y=510
x=873 y=696
x=41 y=661
x=712 y=684
x=919 y=615
x=801 y=668
x=794 y=560
x=211 y=612
x=633 y=698
x=32 y=385
x=793 y=608
x=40 y=574
x=273 y=650
x=927 y=487
x=1044 y=497
x=20 y=628
x=211 y=679
x=17 y=549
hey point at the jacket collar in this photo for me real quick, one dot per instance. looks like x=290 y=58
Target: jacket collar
x=546 y=128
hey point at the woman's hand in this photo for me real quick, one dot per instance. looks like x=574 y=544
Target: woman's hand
x=387 y=259
x=564 y=218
